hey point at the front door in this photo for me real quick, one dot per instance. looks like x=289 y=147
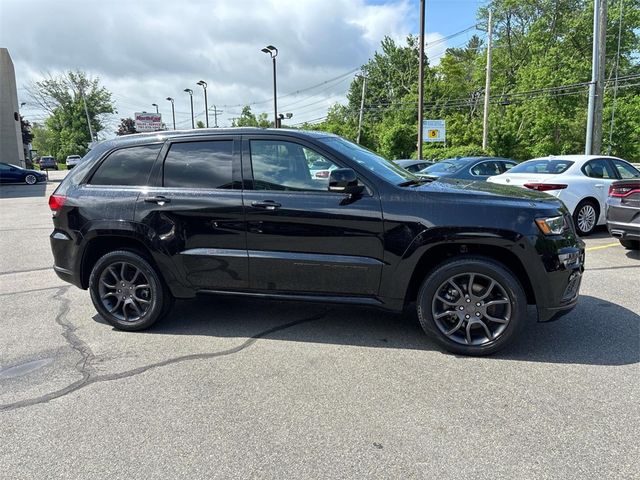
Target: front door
x=301 y=238
x=194 y=212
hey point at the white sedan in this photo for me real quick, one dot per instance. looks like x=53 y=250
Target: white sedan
x=580 y=181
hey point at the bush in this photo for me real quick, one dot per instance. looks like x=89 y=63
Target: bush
x=439 y=153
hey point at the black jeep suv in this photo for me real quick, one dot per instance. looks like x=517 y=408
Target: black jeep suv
x=148 y=218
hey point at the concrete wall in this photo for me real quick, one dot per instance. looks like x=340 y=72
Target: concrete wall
x=11 y=148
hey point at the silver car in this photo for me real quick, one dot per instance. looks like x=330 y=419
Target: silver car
x=72 y=161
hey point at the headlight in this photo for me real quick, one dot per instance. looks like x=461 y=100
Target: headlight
x=552 y=225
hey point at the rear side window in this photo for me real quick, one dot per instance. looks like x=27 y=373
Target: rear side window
x=625 y=170
x=598 y=168
x=199 y=165
x=484 y=169
x=127 y=166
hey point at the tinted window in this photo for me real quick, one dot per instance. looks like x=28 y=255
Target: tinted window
x=542 y=166
x=199 y=165
x=127 y=166
x=280 y=165
x=484 y=169
x=444 y=166
x=625 y=170
x=369 y=160
x=508 y=165
x=599 y=168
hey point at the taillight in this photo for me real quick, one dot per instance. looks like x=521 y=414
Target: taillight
x=543 y=187
x=622 y=191
x=56 y=202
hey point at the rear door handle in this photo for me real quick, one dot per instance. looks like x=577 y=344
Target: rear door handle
x=266 y=204
x=160 y=200
x=599 y=185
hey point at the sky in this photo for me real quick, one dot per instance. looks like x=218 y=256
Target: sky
x=147 y=50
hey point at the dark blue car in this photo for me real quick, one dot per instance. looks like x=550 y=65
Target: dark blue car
x=468 y=168
x=13 y=174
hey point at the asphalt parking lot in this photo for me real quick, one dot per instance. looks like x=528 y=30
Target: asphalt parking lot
x=251 y=389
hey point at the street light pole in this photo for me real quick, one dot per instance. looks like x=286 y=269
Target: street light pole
x=203 y=84
x=273 y=51
x=173 y=112
x=155 y=105
x=421 y=81
x=190 y=92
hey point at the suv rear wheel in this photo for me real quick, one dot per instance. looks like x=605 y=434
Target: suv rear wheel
x=472 y=306
x=127 y=291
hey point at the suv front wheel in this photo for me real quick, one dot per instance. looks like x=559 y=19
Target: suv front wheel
x=127 y=291
x=472 y=306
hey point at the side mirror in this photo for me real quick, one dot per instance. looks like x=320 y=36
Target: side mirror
x=344 y=180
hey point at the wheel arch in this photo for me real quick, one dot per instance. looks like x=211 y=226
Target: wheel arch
x=431 y=258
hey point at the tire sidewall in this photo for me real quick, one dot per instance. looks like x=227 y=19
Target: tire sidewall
x=483 y=266
x=156 y=308
x=580 y=206
x=30 y=175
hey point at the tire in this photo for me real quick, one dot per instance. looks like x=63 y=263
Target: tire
x=30 y=179
x=146 y=298
x=452 y=323
x=630 y=244
x=585 y=217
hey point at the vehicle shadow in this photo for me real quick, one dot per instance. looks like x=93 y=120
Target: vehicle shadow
x=596 y=332
x=19 y=190
x=633 y=254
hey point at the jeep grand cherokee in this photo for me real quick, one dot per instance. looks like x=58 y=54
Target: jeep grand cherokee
x=148 y=218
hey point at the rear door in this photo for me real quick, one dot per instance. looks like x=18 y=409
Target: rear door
x=301 y=237
x=194 y=211
x=600 y=174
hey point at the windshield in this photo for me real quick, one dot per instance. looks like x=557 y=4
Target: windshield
x=369 y=160
x=445 y=166
x=550 y=167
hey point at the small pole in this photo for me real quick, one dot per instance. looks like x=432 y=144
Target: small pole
x=364 y=86
x=421 y=80
x=595 y=67
x=193 y=122
x=275 y=99
x=86 y=111
x=487 y=87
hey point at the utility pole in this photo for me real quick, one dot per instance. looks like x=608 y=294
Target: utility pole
x=487 y=86
x=593 y=140
x=215 y=116
x=364 y=86
x=86 y=111
x=421 y=80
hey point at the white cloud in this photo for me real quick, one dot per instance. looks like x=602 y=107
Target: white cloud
x=147 y=50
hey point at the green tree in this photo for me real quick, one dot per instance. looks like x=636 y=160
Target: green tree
x=200 y=124
x=127 y=127
x=248 y=119
x=64 y=98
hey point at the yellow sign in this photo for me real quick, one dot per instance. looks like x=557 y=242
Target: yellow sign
x=433 y=133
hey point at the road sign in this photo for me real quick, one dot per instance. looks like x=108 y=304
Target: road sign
x=433 y=131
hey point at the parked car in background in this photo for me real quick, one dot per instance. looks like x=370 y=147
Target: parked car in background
x=48 y=163
x=72 y=161
x=413 y=166
x=623 y=212
x=14 y=174
x=580 y=181
x=467 y=168
x=148 y=218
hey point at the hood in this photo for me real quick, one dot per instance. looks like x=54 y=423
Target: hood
x=471 y=187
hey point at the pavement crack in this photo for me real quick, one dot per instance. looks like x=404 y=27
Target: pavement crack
x=13 y=272
x=88 y=373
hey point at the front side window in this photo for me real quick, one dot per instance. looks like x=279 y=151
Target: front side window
x=599 y=168
x=127 y=166
x=206 y=164
x=282 y=165
x=625 y=170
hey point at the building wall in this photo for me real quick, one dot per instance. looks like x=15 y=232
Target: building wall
x=11 y=148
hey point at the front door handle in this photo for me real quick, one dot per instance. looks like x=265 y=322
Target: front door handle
x=160 y=200
x=266 y=205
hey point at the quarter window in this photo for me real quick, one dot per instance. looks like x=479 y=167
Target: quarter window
x=199 y=165
x=625 y=170
x=485 y=169
x=127 y=166
x=281 y=165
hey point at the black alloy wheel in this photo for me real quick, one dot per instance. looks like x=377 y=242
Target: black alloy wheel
x=472 y=306
x=127 y=291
